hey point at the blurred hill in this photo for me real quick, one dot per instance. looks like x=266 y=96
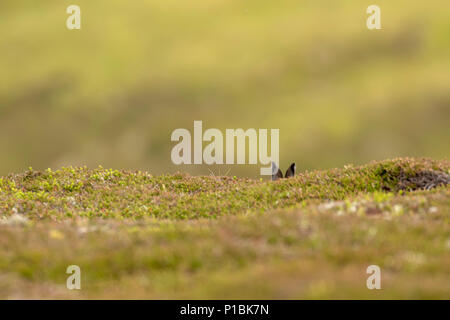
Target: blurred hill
x=112 y=92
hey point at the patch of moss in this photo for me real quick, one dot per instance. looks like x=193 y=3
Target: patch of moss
x=106 y=193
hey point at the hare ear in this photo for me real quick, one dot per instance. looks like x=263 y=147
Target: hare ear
x=291 y=171
x=276 y=172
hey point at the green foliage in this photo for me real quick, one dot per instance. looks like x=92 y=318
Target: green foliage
x=113 y=92
x=136 y=235
x=111 y=193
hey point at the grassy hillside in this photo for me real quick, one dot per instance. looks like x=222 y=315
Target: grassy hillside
x=112 y=92
x=135 y=235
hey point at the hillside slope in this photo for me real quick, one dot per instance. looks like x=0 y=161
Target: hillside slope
x=113 y=92
x=81 y=192
x=135 y=235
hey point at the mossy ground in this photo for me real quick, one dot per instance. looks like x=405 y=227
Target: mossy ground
x=135 y=235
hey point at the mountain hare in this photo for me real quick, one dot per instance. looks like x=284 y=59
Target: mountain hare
x=277 y=174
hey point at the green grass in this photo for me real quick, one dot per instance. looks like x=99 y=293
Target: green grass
x=81 y=192
x=113 y=92
x=135 y=235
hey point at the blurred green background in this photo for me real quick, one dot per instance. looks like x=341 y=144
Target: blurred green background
x=112 y=92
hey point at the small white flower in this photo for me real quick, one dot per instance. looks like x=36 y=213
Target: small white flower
x=71 y=200
x=82 y=230
x=331 y=205
x=14 y=220
x=87 y=229
x=398 y=209
x=353 y=207
x=433 y=210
